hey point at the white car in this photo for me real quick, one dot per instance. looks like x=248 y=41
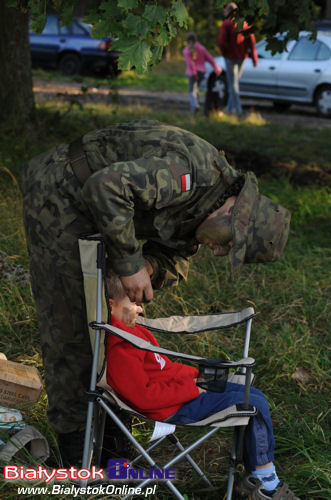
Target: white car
x=300 y=74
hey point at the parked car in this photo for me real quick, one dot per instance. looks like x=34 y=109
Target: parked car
x=300 y=74
x=323 y=24
x=71 y=48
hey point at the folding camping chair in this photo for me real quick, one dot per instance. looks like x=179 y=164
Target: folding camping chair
x=103 y=400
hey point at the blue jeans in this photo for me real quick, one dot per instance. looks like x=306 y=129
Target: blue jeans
x=259 y=437
x=234 y=69
x=193 y=87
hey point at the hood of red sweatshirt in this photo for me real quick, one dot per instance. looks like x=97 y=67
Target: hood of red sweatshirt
x=138 y=331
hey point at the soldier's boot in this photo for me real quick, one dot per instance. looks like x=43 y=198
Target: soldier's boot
x=115 y=444
x=71 y=446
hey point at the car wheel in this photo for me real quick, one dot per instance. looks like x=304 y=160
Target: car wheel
x=217 y=92
x=323 y=101
x=113 y=70
x=281 y=106
x=70 y=64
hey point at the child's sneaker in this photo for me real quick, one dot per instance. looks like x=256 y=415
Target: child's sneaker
x=247 y=485
x=282 y=492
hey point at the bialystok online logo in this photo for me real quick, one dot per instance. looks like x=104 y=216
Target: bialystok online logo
x=119 y=468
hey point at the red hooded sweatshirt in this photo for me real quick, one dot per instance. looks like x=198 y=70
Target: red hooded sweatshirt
x=235 y=45
x=148 y=382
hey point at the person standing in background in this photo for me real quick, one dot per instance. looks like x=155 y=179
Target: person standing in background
x=235 y=47
x=195 y=56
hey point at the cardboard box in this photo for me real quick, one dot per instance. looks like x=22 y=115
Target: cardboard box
x=19 y=384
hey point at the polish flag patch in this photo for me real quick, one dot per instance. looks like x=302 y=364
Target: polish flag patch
x=186 y=182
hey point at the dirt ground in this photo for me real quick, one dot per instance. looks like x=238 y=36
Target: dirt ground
x=262 y=165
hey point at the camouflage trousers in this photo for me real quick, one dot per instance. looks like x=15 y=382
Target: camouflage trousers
x=53 y=224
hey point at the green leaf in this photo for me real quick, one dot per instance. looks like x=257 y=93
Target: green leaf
x=38 y=21
x=157 y=52
x=128 y=4
x=135 y=53
x=263 y=8
x=137 y=25
x=67 y=14
x=155 y=14
x=240 y=23
x=143 y=55
x=172 y=30
x=11 y=3
x=108 y=23
x=164 y=37
x=178 y=10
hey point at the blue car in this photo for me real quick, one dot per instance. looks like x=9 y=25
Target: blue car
x=71 y=48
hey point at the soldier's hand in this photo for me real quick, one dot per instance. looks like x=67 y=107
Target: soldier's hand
x=138 y=286
x=149 y=267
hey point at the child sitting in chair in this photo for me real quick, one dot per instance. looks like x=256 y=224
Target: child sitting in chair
x=165 y=390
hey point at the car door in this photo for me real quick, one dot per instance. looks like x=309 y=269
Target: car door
x=74 y=37
x=262 y=80
x=300 y=72
x=45 y=46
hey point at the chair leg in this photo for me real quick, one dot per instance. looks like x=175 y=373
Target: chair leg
x=174 y=439
x=87 y=454
x=143 y=452
x=182 y=455
x=148 y=457
x=176 y=492
x=154 y=445
x=126 y=432
x=232 y=464
x=99 y=427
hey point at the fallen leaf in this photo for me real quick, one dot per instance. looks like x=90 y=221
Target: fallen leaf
x=301 y=375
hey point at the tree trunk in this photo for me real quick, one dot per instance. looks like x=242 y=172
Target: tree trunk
x=16 y=94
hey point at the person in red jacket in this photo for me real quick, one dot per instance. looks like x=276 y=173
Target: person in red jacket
x=165 y=390
x=235 y=47
x=195 y=56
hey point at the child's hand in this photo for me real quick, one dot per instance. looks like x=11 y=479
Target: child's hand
x=199 y=388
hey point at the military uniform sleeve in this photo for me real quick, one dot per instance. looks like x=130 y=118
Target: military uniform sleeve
x=169 y=266
x=114 y=195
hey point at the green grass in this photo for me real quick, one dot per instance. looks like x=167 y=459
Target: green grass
x=291 y=296
x=175 y=80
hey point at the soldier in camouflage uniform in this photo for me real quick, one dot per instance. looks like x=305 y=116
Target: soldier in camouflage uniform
x=146 y=187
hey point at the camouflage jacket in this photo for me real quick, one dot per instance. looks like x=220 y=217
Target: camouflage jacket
x=152 y=185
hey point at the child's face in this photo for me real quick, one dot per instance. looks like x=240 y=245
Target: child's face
x=126 y=311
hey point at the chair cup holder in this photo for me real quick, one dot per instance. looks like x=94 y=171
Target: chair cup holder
x=211 y=377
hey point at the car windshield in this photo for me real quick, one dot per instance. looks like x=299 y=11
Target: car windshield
x=264 y=53
x=88 y=27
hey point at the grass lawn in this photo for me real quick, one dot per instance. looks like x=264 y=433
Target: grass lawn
x=167 y=76
x=292 y=296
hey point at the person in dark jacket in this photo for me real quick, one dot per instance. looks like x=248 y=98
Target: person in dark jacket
x=235 y=47
x=146 y=187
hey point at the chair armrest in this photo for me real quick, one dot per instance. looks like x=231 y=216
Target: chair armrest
x=147 y=346
x=244 y=362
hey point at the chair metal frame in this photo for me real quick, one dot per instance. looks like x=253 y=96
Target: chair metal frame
x=100 y=403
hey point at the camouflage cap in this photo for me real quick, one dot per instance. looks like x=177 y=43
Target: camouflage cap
x=260 y=227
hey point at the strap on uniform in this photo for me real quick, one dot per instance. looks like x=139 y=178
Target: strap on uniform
x=78 y=161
